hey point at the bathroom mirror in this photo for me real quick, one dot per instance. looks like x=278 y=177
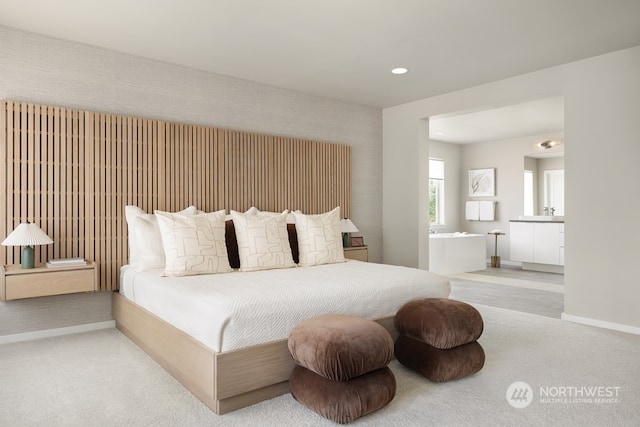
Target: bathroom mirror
x=554 y=191
x=543 y=185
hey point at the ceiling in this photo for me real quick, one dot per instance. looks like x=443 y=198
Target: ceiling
x=542 y=116
x=345 y=49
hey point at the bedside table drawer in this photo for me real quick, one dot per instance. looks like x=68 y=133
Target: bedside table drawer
x=358 y=253
x=51 y=282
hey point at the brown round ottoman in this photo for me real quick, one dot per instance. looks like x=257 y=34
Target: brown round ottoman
x=342 y=371
x=440 y=365
x=340 y=347
x=343 y=401
x=438 y=338
x=440 y=322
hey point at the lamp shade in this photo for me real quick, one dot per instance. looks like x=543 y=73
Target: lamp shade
x=347 y=226
x=27 y=234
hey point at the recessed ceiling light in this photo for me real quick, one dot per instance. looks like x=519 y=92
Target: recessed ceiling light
x=400 y=70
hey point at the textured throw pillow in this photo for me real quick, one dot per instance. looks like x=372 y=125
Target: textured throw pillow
x=263 y=241
x=194 y=244
x=319 y=238
x=291 y=219
x=140 y=243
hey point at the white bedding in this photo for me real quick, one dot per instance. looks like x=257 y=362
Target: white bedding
x=240 y=309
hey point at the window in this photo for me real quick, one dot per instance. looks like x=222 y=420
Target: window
x=436 y=191
x=528 y=192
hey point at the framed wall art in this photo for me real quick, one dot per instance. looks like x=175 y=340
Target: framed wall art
x=482 y=182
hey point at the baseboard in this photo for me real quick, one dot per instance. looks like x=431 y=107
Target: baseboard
x=601 y=324
x=48 y=333
x=506 y=262
x=545 y=268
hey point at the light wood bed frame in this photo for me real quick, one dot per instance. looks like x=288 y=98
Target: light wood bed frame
x=224 y=381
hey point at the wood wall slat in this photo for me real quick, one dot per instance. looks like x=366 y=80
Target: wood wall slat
x=73 y=172
x=6 y=127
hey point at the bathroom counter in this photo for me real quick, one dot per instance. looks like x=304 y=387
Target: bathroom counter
x=540 y=221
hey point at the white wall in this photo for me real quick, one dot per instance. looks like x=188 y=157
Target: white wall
x=602 y=104
x=602 y=107
x=44 y=70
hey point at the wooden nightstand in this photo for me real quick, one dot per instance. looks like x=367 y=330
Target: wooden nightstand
x=359 y=253
x=17 y=283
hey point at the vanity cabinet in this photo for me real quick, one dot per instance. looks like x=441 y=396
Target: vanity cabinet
x=540 y=242
x=521 y=241
x=546 y=243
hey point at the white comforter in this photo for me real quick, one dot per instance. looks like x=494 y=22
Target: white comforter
x=236 y=310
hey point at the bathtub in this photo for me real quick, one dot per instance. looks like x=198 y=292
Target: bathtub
x=451 y=253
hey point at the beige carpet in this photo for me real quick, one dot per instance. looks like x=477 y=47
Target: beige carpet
x=102 y=379
x=486 y=292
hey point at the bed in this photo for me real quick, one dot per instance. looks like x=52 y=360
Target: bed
x=230 y=373
x=223 y=336
x=166 y=166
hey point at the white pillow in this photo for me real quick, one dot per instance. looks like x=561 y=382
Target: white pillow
x=290 y=218
x=138 y=245
x=150 y=253
x=263 y=241
x=250 y=211
x=193 y=244
x=319 y=238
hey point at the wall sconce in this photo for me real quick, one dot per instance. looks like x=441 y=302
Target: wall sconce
x=347 y=227
x=27 y=235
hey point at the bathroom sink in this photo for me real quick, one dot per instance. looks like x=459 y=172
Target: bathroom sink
x=541 y=218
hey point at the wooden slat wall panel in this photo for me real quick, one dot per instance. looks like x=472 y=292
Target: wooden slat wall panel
x=73 y=172
x=43 y=177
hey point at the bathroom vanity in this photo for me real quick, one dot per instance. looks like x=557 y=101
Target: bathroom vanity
x=538 y=242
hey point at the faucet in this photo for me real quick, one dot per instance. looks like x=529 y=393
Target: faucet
x=553 y=211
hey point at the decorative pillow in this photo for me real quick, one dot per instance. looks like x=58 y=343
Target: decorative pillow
x=293 y=241
x=194 y=244
x=139 y=243
x=291 y=219
x=250 y=211
x=263 y=241
x=150 y=255
x=232 y=242
x=319 y=238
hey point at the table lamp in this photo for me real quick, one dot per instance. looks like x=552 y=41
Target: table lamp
x=27 y=235
x=347 y=227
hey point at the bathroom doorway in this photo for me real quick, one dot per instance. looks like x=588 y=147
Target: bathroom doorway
x=499 y=138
